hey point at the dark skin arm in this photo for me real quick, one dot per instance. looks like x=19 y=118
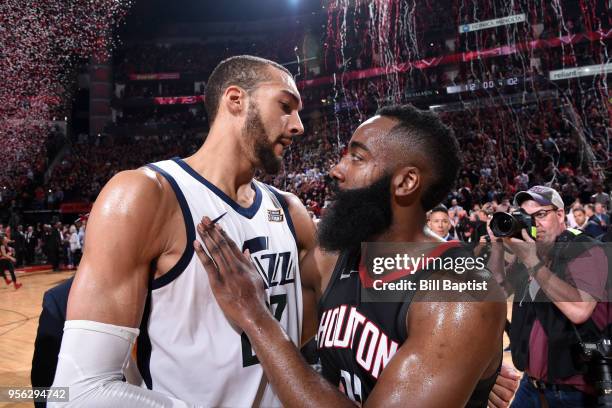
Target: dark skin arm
x=426 y=355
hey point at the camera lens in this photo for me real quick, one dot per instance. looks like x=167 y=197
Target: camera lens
x=502 y=224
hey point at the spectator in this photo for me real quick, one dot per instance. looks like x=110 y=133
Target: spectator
x=31 y=241
x=439 y=222
x=7 y=262
x=75 y=247
x=20 y=246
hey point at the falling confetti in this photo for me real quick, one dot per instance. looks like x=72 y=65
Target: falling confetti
x=395 y=47
x=41 y=44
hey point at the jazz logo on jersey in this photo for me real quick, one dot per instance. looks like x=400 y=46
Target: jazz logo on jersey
x=275 y=215
x=276 y=268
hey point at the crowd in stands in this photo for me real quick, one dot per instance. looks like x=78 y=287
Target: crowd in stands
x=162 y=116
x=506 y=148
x=87 y=167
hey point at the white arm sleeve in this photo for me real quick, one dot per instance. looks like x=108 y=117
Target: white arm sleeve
x=92 y=361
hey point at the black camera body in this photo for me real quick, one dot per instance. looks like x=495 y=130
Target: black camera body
x=510 y=224
x=598 y=358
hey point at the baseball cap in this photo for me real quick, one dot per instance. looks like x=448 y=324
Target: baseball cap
x=540 y=194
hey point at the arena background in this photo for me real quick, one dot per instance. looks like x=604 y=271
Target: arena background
x=93 y=88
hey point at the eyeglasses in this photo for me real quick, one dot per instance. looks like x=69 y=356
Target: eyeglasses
x=540 y=215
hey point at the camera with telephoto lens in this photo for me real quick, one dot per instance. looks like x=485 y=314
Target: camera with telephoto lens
x=598 y=357
x=510 y=224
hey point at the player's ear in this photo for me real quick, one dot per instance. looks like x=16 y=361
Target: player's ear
x=235 y=100
x=406 y=182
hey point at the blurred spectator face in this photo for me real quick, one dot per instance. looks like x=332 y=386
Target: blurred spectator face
x=599 y=209
x=579 y=216
x=272 y=120
x=588 y=210
x=482 y=216
x=439 y=223
x=454 y=202
x=549 y=221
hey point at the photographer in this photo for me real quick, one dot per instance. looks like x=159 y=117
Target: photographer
x=559 y=279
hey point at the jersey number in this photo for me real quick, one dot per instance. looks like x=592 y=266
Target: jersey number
x=248 y=357
x=352 y=387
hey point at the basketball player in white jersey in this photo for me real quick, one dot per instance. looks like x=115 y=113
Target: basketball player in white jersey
x=139 y=275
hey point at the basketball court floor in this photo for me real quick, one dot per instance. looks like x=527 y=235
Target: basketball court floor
x=19 y=312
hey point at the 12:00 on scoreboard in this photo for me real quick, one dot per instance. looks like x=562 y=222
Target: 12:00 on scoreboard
x=478 y=85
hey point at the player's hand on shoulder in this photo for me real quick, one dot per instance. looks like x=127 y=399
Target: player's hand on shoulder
x=236 y=284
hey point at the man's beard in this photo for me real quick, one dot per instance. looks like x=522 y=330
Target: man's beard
x=262 y=148
x=356 y=215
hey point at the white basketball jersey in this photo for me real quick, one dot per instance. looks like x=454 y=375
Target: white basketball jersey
x=187 y=348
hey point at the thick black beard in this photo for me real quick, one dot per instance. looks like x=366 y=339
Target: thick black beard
x=356 y=215
x=263 y=149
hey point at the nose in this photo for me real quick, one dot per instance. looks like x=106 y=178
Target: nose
x=296 y=127
x=337 y=173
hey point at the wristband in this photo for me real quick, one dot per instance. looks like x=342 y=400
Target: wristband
x=534 y=269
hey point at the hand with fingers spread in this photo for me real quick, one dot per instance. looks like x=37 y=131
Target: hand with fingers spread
x=236 y=284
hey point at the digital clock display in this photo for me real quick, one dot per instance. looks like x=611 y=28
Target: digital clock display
x=478 y=85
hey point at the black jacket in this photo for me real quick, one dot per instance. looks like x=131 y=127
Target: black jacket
x=49 y=336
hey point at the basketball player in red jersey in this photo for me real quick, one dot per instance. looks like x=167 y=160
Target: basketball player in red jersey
x=399 y=164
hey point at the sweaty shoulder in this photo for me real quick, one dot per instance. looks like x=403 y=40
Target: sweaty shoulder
x=134 y=197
